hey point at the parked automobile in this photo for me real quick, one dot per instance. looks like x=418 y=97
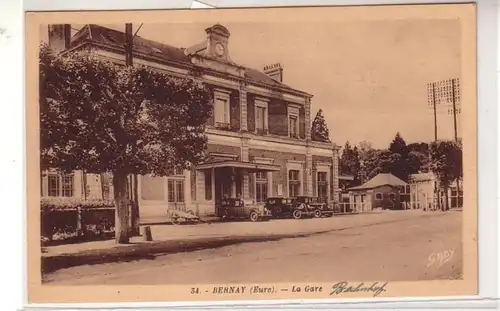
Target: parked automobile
x=320 y=207
x=231 y=208
x=283 y=207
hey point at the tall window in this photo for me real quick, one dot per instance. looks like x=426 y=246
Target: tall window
x=261 y=116
x=176 y=190
x=221 y=109
x=322 y=185
x=208 y=185
x=293 y=183
x=260 y=124
x=293 y=125
x=261 y=185
x=60 y=185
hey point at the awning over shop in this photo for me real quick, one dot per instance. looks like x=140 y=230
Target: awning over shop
x=249 y=166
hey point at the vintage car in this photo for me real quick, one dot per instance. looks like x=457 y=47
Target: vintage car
x=282 y=207
x=320 y=207
x=231 y=208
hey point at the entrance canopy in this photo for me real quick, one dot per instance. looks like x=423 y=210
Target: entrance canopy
x=249 y=166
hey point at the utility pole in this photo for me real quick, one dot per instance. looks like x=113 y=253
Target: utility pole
x=434 y=108
x=454 y=101
x=134 y=195
x=454 y=108
x=432 y=101
x=448 y=90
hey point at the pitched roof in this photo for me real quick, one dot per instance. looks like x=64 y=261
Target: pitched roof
x=382 y=179
x=116 y=38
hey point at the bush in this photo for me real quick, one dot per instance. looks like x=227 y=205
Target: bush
x=70 y=217
x=70 y=203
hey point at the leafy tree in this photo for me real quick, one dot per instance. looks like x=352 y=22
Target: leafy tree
x=402 y=168
x=100 y=117
x=421 y=147
x=419 y=162
x=363 y=148
x=319 y=130
x=419 y=157
x=379 y=161
x=350 y=163
x=446 y=164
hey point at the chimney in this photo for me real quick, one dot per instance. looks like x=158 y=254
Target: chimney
x=59 y=37
x=274 y=71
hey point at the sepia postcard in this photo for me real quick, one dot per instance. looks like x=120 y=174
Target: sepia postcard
x=251 y=154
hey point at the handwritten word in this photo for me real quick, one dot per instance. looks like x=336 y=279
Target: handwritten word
x=344 y=287
x=440 y=258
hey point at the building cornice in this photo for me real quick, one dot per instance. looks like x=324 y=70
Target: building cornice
x=271 y=138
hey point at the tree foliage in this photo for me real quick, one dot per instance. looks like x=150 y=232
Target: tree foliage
x=403 y=167
x=102 y=117
x=446 y=163
x=99 y=117
x=319 y=130
x=419 y=157
x=363 y=148
x=349 y=163
x=379 y=161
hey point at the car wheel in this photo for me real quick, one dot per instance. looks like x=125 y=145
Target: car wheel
x=297 y=214
x=317 y=213
x=254 y=216
x=176 y=220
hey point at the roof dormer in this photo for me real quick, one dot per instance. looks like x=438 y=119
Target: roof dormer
x=217 y=42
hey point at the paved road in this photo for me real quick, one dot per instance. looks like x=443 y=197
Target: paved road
x=394 y=251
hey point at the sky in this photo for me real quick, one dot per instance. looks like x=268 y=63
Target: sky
x=369 y=77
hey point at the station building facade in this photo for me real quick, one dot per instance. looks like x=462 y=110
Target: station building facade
x=259 y=135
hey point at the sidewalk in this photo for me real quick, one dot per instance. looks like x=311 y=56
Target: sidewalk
x=182 y=238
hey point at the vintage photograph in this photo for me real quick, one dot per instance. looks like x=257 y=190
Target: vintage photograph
x=256 y=149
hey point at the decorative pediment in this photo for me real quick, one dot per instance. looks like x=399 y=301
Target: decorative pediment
x=218 y=30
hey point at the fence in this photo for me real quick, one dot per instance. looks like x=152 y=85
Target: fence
x=344 y=208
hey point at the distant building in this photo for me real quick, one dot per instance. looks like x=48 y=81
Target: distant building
x=384 y=191
x=259 y=137
x=424 y=190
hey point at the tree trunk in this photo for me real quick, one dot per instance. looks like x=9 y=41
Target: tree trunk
x=121 y=207
x=446 y=207
x=103 y=191
x=84 y=185
x=135 y=208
